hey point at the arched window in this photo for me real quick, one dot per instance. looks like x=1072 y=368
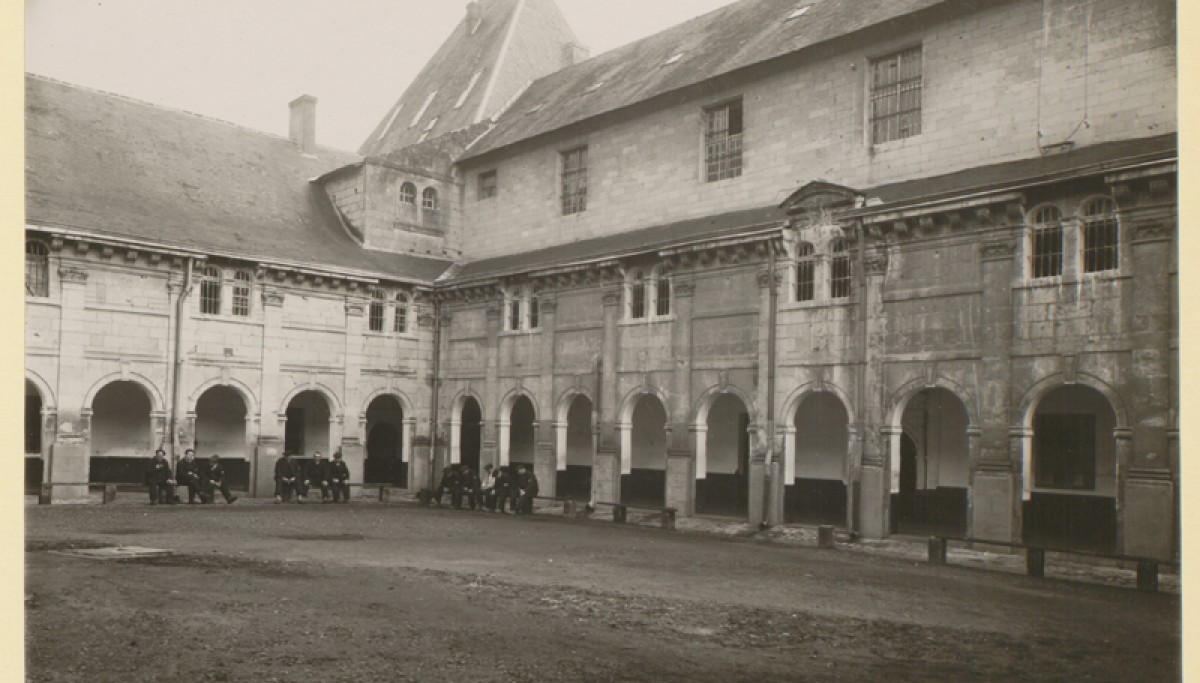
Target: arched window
x=662 y=293
x=400 y=324
x=408 y=194
x=375 y=317
x=241 y=293
x=806 y=266
x=514 y=308
x=637 y=295
x=210 y=290
x=534 y=312
x=37 y=268
x=1047 y=239
x=840 y=282
x=1100 y=235
x=429 y=199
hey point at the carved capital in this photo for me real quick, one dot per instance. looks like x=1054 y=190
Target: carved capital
x=1000 y=250
x=547 y=306
x=71 y=274
x=875 y=264
x=356 y=308
x=612 y=297
x=685 y=289
x=272 y=297
x=764 y=279
x=425 y=320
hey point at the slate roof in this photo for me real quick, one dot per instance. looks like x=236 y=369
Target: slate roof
x=111 y=165
x=725 y=40
x=506 y=57
x=735 y=223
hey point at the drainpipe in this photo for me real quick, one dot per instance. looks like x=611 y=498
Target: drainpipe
x=177 y=361
x=437 y=355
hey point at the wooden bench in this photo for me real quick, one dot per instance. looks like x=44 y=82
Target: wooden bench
x=1035 y=558
x=621 y=513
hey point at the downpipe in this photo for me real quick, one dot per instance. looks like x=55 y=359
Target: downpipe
x=177 y=360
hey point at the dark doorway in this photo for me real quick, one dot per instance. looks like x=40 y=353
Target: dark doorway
x=472 y=427
x=385 y=431
x=122 y=436
x=646 y=484
x=934 y=472
x=724 y=489
x=34 y=465
x=521 y=434
x=307 y=427
x=575 y=483
x=817 y=493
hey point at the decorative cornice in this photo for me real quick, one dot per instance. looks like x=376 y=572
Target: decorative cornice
x=69 y=274
x=999 y=250
x=1152 y=232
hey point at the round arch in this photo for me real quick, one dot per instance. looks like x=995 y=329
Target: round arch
x=510 y=399
x=563 y=406
x=157 y=404
x=335 y=406
x=406 y=404
x=712 y=394
x=247 y=394
x=43 y=387
x=460 y=400
x=792 y=403
x=901 y=397
x=1033 y=395
x=630 y=402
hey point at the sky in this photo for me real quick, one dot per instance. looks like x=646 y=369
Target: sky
x=242 y=61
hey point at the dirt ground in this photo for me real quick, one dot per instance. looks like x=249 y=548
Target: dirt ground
x=371 y=592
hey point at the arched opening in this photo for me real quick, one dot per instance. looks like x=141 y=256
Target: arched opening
x=646 y=483
x=1072 y=500
x=122 y=434
x=472 y=428
x=221 y=430
x=817 y=493
x=385 y=431
x=34 y=464
x=724 y=488
x=934 y=477
x=575 y=483
x=521 y=434
x=307 y=427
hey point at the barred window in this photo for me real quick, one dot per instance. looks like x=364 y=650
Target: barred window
x=1101 y=236
x=839 y=272
x=534 y=312
x=375 y=315
x=408 y=194
x=400 y=323
x=514 y=309
x=723 y=141
x=1047 y=257
x=662 y=298
x=637 y=295
x=241 y=293
x=574 y=181
x=896 y=96
x=429 y=199
x=210 y=290
x=37 y=268
x=805 y=272
x=487 y=185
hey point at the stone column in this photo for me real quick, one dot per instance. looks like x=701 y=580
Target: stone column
x=351 y=439
x=560 y=445
x=493 y=447
x=68 y=461
x=760 y=446
x=272 y=414
x=545 y=462
x=681 y=471
x=606 y=466
x=879 y=438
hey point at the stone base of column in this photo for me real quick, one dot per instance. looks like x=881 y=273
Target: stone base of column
x=1146 y=524
x=757 y=493
x=68 y=463
x=681 y=482
x=993 y=512
x=421 y=467
x=874 y=499
x=545 y=467
x=775 y=493
x=262 y=468
x=606 y=477
x=354 y=455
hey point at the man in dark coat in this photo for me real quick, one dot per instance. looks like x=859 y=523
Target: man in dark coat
x=287 y=477
x=469 y=486
x=339 y=478
x=450 y=482
x=187 y=473
x=504 y=488
x=214 y=480
x=529 y=491
x=317 y=475
x=159 y=479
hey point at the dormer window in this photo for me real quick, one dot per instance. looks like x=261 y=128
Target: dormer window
x=723 y=141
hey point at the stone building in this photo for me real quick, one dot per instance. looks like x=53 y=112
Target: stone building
x=902 y=266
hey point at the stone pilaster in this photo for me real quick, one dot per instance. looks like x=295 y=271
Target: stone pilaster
x=352 y=440
x=545 y=460
x=680 y=474
x=879 y=439
x=606 y=468
x=491 y=442
x=272 y=415
x=69 y=455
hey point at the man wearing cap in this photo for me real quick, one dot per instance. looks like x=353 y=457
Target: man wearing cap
x=317 y=475
x=159 y=480
x=214 y=480
x=286 y=479
x=187 y=472
x=339 y=478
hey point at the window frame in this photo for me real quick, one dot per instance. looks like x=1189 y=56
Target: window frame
x=805 y=269
x=841 y=270
x=377 y=311
x=893 y=91
x=648 y=295
x=243 y=287
x=400 y=316
x=488 y=185
x=573 y=180
x=1043 y=233
x=39 y=268
x=429 y=199
x=1090 y=222
x=211 y=283
x=408 y=193
x=728 y=161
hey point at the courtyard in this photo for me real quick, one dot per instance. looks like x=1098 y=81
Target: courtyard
x=396 y=592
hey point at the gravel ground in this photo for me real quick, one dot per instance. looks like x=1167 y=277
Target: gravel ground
x=371 y=592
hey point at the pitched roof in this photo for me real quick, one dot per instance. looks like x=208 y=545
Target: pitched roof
x=666 y=236
x=108 y=164
x=480 y=67
x=725 y=40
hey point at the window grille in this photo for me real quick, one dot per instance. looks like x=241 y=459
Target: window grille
x=487 y=185
x=896 y=96
x=1047 y=242
x=210 y=290
x=37 y=268
x=1101 y=235
x=241 y=293
x=514 y=309
x=840 y=283
x=400 y=324
x=805 y=272
x=574 y=181
x=663 y=296
x=723 y=142
x=375 y=316
x=637 y=296
x=534 y=312
x=429 y=199
x=408 y=194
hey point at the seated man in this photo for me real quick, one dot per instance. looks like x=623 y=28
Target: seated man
x=286 y=479
x=188 y=474
x=214 y=480
x=339 y=478
x=450 y=482
x=317 y=474
x=159 y=479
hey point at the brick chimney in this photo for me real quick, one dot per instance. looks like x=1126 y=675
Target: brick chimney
x=302 y=129
x=574 y=53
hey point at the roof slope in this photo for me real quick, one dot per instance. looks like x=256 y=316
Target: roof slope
x=476 y=71
x=130 y=169
x=725 y=40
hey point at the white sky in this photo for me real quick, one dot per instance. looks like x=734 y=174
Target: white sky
x=243 y=60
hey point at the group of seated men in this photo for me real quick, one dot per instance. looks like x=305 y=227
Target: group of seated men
x=497 y=488
x=202 y=481
x=293 y=477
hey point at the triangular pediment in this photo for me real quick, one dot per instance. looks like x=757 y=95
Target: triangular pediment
x=818 y=199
